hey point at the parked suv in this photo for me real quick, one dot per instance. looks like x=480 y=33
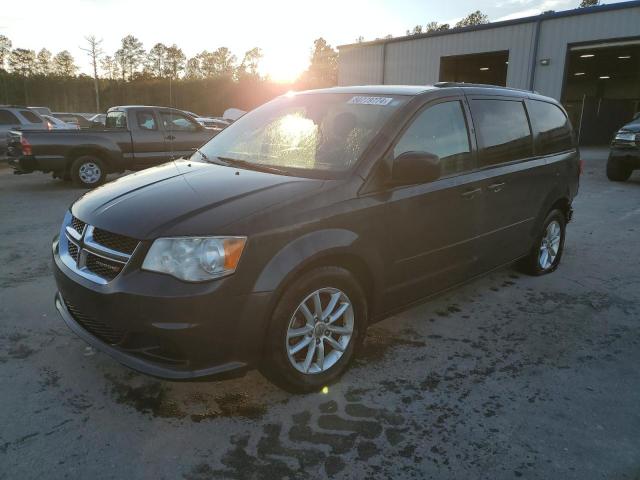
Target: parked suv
x=14 y=117
x=624 y=155
x=284 y=237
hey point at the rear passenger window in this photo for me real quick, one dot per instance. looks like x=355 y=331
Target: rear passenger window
x=8 y=118
x=552 y=127
x=116 y=119
x=441 y=130
x=146 y=121
x=503 y=131
x=30 y=116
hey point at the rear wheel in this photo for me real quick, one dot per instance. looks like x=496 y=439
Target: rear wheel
x=617 y=171
x=88 y=171
x=315 y=329
x=547 y=251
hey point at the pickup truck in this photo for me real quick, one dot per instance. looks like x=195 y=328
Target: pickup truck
x=134 y=138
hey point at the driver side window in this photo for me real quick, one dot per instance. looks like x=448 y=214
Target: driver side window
x=441 y=130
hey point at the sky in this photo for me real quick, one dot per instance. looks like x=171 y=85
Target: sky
x=283 y=29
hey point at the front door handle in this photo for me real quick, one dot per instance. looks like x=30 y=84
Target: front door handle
x=169 y=137
x=469 y=194
x=496 y=187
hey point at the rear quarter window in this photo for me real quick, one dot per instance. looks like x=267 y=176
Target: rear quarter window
x=553 y=129
x=504 y=134
x=8 y=118
x=30 y=116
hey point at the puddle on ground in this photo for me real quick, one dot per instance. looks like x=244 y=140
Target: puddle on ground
x=379 y=341
x=158 y=400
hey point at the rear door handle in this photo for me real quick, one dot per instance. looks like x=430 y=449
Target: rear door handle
x=169 y=137
x=496 y=187
x=469 y=194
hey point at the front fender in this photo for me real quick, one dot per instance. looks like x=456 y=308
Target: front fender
x=311 y=248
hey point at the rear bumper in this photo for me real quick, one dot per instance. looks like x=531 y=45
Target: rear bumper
x=28 y=164
x=145 y=322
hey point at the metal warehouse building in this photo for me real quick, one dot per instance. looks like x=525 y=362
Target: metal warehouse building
x=588 y=58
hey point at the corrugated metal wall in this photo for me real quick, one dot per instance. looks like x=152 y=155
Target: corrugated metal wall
x=556 y=34
x=360 y=65
x=417 y=61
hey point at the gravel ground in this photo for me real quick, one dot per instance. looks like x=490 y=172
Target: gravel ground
x=507 y=377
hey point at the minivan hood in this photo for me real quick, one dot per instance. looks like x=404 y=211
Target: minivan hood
x=160 y=201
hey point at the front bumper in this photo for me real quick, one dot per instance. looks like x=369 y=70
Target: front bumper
x=146 y=323
x=627 y=154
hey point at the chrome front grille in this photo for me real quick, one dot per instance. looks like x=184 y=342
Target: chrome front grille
x=104 y=268
x=77 y=225
x=114 y=241
x=93 y=253
x=73 y=251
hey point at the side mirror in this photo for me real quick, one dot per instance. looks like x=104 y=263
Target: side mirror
x=415 y=167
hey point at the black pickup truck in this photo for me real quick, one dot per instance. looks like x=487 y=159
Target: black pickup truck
x=134 y=137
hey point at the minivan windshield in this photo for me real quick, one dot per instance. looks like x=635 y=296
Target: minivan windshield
x=321 y=133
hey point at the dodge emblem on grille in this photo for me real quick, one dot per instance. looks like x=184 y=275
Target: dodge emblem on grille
x=99 y=258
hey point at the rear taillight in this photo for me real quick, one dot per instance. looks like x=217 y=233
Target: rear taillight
x=581 y=166
x=26 y=147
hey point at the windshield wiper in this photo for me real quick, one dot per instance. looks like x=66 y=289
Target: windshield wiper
x=258 y=167
x=207 y=159
x=216 y=161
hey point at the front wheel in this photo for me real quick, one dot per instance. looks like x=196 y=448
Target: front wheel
x=617 y=172
x=315 y=329
x=88 y=171
x=547 y=251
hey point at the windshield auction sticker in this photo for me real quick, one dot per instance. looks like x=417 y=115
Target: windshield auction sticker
x=370 y=101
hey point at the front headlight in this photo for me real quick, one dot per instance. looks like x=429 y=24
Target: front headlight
x=626 y=136
x=195 y=259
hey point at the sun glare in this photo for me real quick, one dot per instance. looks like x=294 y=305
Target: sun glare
x=297 y=131
x=283 y=67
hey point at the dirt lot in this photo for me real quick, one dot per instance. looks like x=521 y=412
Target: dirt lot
x=509 y=376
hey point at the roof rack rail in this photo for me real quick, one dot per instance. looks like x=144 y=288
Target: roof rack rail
x=478 y=85
x=13 y=106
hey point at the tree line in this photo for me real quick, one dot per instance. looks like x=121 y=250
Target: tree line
x=209 y=81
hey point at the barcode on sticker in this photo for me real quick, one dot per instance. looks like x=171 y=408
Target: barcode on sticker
x=370 y=101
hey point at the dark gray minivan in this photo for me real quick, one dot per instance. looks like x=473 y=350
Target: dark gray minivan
x=279 y=241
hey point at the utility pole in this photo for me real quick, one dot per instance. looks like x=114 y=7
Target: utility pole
x=94 y=52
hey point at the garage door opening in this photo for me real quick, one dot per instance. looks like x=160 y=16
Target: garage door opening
x=602 y=88
x=490 y=68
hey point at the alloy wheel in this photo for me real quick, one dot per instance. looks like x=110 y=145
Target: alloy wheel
x=550 y=245
x=320 y=331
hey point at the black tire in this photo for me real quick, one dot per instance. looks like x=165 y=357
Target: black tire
x=277 y=367
x=617 y=172
x=532 y=263
x=94 y=176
